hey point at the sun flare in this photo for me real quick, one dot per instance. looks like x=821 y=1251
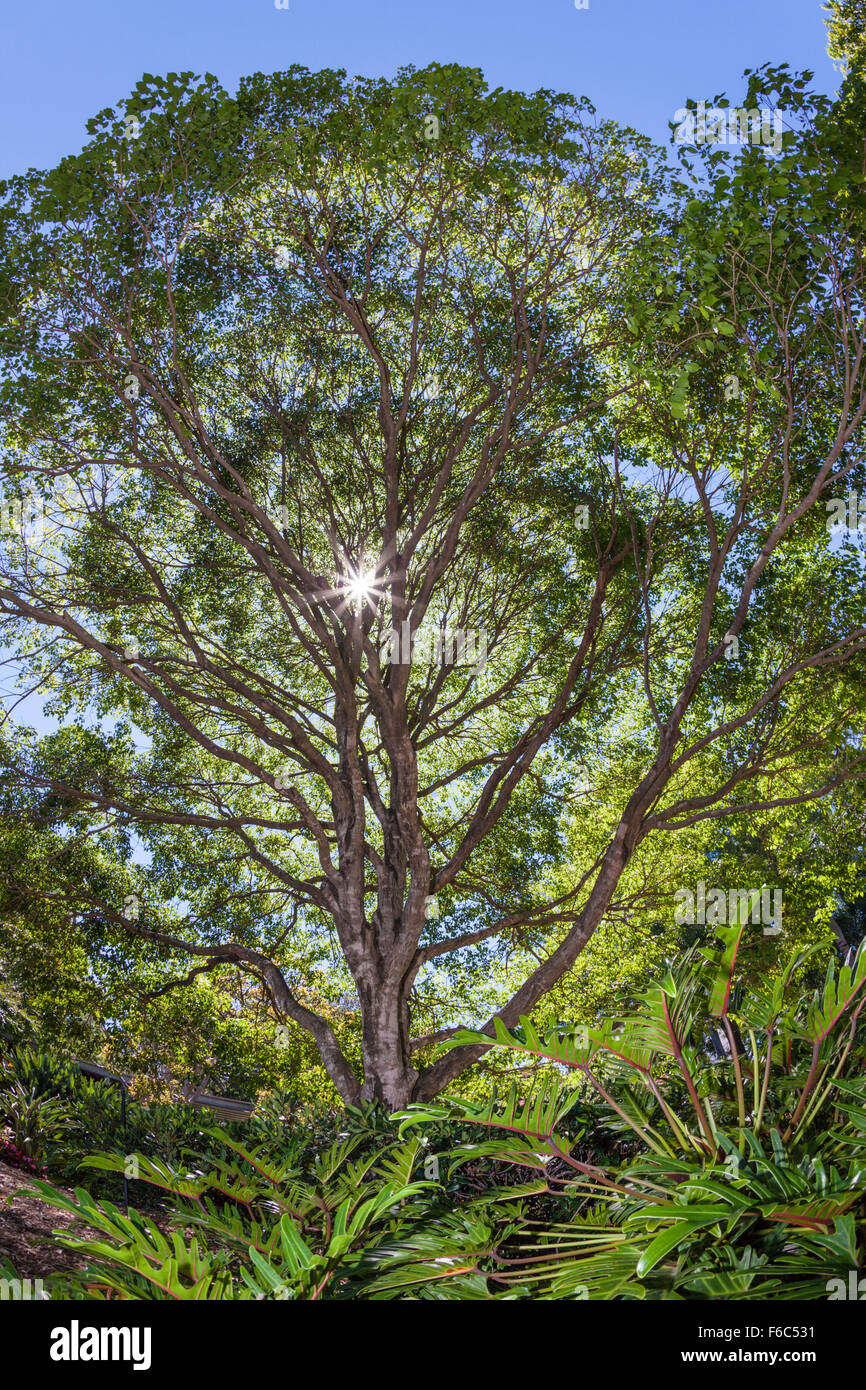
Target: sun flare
x=360 y=586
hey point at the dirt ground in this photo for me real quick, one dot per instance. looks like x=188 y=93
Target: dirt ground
x=25 y=1223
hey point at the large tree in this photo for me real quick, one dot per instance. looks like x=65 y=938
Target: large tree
x=304 y=375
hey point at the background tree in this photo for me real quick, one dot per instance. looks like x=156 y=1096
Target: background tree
x=846 y=33
x=69 y=985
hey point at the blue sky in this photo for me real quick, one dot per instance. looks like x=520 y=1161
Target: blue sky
x=637 y=60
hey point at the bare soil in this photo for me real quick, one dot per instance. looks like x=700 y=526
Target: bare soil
x=26 y=1225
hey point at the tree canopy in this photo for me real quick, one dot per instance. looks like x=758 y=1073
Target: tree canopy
x=424 y=534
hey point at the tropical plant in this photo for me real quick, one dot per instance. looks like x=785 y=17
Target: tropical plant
x=41 y=1072
x=11 y=1155
x=34 y=1120
x=250 y=1227
x=745 y=1178
x=752 y=1178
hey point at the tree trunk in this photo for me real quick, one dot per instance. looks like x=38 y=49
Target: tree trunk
x=388 y=1072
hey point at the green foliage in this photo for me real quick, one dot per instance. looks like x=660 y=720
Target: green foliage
x=749 y=1188
x=846 y=32
x=260 y=1229
x=56 y=1114
x=745 y=1178
x=242 y=412
x=35 y=1121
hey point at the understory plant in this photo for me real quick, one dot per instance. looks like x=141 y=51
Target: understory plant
x=37 y=1089
x=250 y=1227
x=33 y=1121
x=750 y=1179
x=745 y=1177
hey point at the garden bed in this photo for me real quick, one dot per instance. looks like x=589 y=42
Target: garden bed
x=27 y=1223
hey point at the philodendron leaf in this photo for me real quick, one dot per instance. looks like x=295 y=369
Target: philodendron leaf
x=663 y=1244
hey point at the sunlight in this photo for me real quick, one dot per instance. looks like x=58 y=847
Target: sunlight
x=360 y=586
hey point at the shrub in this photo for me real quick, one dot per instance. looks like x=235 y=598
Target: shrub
x=750 y=1181
x=740 y=1179
x=34 y=1120
x=11 y=1155
x=252 y=1228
